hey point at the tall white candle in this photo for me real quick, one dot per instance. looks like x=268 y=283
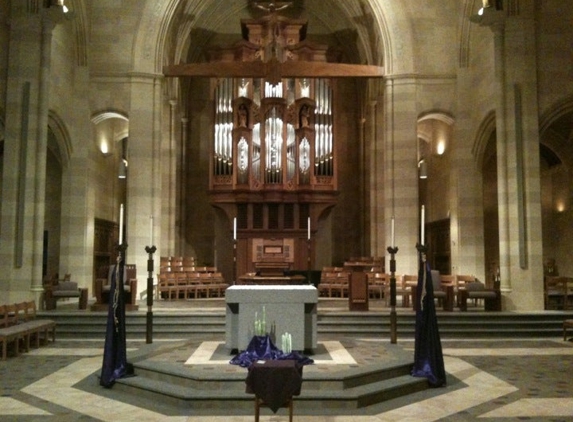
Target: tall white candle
x=121 y=224
x=150 y=230
x=393 y=234
x=422 y=226
x=235 y=228
x=308 y=228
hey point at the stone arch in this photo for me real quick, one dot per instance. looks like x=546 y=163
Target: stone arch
x=554 y=113
x=59 y=141
x=388 y=19
x=556 y=170
x=556 y=130
x=483 y=135
x=151 y=41
x=110 y=127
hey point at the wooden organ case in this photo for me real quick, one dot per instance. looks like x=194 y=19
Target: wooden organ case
x=273 y=163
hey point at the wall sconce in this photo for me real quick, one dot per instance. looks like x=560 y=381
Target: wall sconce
x=60 y=3
x=104 y=147
x=486 y=14
x=423 y=169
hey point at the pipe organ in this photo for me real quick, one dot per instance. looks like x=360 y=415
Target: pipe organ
x=273 y=164
x=277 y=136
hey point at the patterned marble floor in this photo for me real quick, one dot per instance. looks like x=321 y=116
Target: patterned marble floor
x=488 y=380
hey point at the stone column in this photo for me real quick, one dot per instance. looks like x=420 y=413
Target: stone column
x=50 y=17
x=517 y=131
x=371 y=165
x=400 y=170
x=25 y=143
x=501 y=144
x=169 y=205
x=144 y=194
x=180 y=186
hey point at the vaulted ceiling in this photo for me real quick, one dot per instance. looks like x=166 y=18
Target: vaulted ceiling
x=197 y=25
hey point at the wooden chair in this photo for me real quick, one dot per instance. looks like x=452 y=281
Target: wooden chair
x=476 y=290
x=324 y=287
x=103 y=284
x=409 y=282
x=182 y=285
x=377 y=284
x=11 y=332
x=220 y=285
x=461 y=281
x=443 y=292
x=167 y=286
x=340 y=283
x=195 y=285
x=557 y=292
x=448 y=280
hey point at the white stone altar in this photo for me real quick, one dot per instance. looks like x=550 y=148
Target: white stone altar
x=289 y=309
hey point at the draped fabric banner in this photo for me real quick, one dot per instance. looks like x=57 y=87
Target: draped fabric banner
x=115 y=363
x=262 y=348
x=428 y=358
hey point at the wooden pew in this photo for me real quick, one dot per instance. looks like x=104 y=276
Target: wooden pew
x=18 y=323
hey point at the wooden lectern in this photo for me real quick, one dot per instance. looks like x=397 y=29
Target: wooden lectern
x=358 y=285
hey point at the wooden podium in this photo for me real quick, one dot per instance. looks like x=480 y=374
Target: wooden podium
x=358 y=285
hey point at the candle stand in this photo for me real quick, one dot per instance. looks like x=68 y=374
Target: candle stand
x=308 y=279
x=422 y=250
x=393 y=322
x=149 y=317
x=234 y=261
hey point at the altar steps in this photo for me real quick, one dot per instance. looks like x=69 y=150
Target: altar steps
x=451 y=324
x=180 y=325
x=201 y=391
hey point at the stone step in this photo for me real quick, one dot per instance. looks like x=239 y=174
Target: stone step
x=354 y=388
x=451 y=324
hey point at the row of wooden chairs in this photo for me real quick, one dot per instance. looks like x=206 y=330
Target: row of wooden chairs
x=19 y=326
x=379 y=285
x=177 y=261
x=335 y=284
x=185 y=268
x=190 y=285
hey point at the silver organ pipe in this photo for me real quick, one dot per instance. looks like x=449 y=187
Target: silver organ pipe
x=256 y=153
x=274 y=146
x=278 y=139
x=223 y=156
x=291 y=152
x=323 y=154
x=329 y=131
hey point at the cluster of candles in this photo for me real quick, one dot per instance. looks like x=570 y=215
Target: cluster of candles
x=261 y=324
x=286 y=340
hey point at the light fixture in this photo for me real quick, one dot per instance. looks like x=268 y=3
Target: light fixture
x=122 y=174
x=423 y=169
x=60 y=3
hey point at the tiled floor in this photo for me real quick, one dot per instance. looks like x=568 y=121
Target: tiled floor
x=489 y=380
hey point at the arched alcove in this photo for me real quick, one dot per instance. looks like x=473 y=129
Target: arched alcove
x=434 y=154
x=556 y=164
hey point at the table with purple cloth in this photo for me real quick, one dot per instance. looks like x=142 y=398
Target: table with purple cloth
x=275 y=382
